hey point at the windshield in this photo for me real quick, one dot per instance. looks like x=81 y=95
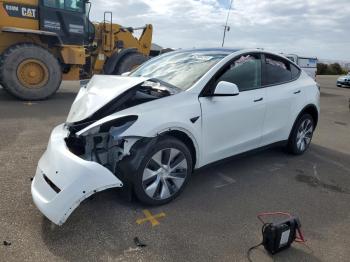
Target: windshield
x=180 y=69
x=71 y=5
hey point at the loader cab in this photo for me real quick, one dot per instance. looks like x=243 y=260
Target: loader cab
x=67 y=18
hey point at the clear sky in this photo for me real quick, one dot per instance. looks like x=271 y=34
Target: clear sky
x=306 y=27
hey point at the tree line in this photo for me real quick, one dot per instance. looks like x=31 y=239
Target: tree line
x=331 y=69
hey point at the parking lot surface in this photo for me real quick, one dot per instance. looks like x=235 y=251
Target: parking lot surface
x=214 y=219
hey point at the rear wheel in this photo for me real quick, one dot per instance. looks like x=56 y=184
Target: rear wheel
x=129 y=62
x=164 y=172
x=301 y=135
x=30 y=72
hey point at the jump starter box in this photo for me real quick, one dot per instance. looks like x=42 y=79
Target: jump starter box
x=279 y=236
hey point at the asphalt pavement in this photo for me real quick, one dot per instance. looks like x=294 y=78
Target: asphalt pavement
x=214 y=219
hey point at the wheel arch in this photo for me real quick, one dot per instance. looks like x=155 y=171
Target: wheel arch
x=49 y=38
x=187 y=139
x=309 y=109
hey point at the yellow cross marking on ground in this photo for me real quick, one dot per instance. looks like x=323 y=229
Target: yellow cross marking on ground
x=151 y=218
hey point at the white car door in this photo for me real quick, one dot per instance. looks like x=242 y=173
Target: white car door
x=281 y=97
x=233 y=124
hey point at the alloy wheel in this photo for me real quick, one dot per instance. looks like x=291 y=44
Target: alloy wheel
x=164 y=173
x=304 y=134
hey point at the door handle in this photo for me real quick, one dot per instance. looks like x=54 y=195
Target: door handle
x=297 y=92
x=258 y=100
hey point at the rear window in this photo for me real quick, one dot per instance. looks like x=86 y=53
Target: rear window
x=278 y=70
x=295 y=71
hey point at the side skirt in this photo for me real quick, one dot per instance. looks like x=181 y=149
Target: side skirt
x=244 y=154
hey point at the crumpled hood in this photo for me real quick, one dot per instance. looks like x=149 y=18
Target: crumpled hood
x=100 y=90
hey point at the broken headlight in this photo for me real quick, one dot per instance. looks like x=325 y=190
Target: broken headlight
x=117 y=126
x=102 y=143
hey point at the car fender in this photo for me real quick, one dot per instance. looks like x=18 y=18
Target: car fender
x=157 y=117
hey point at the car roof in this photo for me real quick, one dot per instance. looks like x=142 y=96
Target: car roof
x=230 y=52
x=217 y=49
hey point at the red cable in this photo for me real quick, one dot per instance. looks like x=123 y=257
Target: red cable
x=272 y=214
x=301 y=238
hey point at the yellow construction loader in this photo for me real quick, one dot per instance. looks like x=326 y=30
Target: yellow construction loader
x=43 y=42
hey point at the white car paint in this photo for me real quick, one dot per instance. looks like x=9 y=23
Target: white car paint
x=237 y=128
x=227 y=125
x=284 y=102
x=77 y=179
x=97 y=93
x=343 y=80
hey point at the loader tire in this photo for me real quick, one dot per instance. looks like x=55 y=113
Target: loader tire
x=129 y=62
x=30 y=72
x=1 y=82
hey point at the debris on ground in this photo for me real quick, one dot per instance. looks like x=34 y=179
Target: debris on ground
x=139 y=243
x=6 y=243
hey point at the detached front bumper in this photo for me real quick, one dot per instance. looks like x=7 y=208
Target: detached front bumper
x=63 y=180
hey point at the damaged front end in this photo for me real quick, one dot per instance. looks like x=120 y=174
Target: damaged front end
x=103 y=144
x=82 y=155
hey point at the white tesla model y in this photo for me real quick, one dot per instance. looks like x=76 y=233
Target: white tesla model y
x=177 y=112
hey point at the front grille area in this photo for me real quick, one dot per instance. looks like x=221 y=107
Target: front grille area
x=51 y=184
x=75 y=144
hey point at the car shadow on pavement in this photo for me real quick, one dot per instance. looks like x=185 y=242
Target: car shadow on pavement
x=103 y=227
x=97 y=229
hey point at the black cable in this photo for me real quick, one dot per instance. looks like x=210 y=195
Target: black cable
x=250 y=249
x=256 y=246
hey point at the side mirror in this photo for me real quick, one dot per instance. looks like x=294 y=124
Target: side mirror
x=224 y=88
x=125 y=74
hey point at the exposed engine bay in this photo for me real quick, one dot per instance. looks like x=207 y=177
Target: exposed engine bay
x=105 y=146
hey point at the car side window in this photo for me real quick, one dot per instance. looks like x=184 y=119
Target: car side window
x=278 y=70
x=245 y=72
x=295 y=71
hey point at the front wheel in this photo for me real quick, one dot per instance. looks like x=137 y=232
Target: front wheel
x=164 y=172
x=301 y=135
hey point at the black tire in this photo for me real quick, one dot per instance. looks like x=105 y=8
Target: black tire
x=164 y=143
x=129 y=62
x=296 y=140
x=48 y=65
x=1 y=82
